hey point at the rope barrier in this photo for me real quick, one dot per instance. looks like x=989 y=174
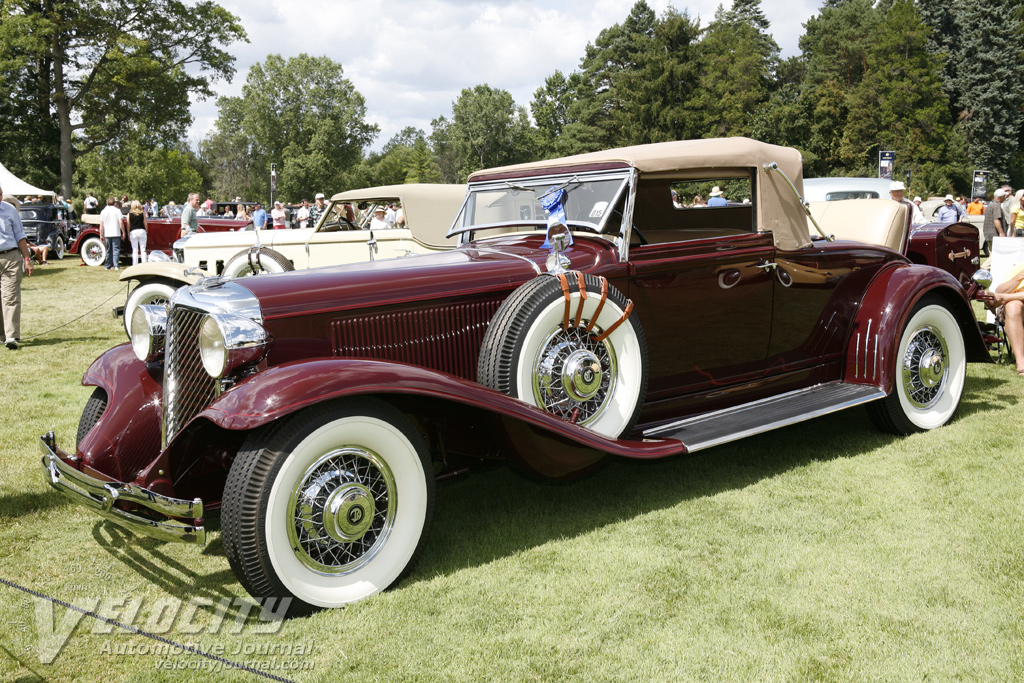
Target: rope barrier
x=42 y=334
x=147 y=634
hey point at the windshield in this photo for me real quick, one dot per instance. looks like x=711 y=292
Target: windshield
x=592 y=204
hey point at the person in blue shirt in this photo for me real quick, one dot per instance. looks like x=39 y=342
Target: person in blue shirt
x=259 y=217
x=13 y=252
x=948 y=212
x=716 y=198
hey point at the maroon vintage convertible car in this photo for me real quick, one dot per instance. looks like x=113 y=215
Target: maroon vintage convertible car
x=161 y=235
x=584 y=313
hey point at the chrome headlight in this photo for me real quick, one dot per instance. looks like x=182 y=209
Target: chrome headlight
x=147 y=330
x=228 y=342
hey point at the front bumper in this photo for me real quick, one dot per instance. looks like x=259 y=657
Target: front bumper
x=100 y=497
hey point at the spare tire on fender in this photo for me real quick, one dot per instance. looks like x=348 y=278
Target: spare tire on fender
x=569 y=345
x=257 y=260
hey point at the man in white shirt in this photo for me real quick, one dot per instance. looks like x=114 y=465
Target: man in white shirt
x=112 y=224
x=897 y=190
x=391 y=215
x=90 y=203
x=302 y=215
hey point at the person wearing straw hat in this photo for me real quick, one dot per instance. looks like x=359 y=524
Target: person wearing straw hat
x=379 y=220
x=717 y=197
x=949 y=212
x=278 y=215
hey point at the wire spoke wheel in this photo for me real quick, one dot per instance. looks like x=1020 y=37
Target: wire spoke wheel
x=574 y=374
x=343 y=510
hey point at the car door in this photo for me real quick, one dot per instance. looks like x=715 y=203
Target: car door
x=706 y=308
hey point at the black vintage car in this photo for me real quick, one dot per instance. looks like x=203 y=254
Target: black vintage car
x=47 y=224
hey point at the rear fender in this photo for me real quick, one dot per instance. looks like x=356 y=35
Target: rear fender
x=884 y=310
x=288 y=388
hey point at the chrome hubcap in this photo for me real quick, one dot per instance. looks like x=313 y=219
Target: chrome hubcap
x=574 y=375
x=349 y=513
x=343 y=509
x=925 y=367
x=582 y=375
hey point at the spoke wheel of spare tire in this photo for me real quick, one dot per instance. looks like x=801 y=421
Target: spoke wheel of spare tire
x=529 y=353
x=330 y=505
x=151 y=292
x=930 y=370
x=91 y=414
x=93 y=251
x=263 y=260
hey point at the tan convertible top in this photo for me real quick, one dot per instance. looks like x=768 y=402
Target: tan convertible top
x=778 y=210
x=429 y=208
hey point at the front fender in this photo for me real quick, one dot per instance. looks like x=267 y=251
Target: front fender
x=288 y=388
x=127 y=436
x=161 y=269
x=874 y=336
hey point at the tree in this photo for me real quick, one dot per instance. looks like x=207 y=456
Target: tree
x=106 y=68
x=983 y=75
x=140 y=171
x=487 y=129
x=899 y=104
x=738 y=60
x=301 y=113
x=632 y=87
x=405 y=158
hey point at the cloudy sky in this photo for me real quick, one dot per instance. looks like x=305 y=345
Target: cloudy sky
x=410 y=59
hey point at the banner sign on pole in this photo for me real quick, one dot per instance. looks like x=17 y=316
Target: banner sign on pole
x=886 y=160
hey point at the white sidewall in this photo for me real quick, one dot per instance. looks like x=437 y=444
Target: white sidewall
x=240 y=267
x=622 y=403
x=940 y=413
x=90 y=244
x=394 y=447
x=145 y=293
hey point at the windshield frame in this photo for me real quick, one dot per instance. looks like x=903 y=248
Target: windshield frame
x=541 y=184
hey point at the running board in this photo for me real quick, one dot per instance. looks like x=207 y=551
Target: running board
x=730 y=424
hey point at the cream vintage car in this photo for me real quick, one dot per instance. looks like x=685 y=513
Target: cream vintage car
x=339 y=237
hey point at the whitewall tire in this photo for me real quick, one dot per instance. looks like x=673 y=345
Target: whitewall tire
x=330 y=507
x=929 y=374
x=528 y=353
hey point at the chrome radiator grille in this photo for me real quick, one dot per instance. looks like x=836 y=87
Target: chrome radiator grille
x=187 y=387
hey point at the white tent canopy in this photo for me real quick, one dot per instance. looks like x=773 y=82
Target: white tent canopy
x=12 y=184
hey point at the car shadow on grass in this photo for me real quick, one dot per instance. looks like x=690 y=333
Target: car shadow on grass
x=22 y=504
x=144 y=559
x=498 y=514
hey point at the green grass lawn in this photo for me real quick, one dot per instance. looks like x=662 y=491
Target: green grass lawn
x=823 y=551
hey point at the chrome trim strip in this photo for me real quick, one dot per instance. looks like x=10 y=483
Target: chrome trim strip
x=100 y=496
x=867 y=342
x=856 y=358
x=485 y=250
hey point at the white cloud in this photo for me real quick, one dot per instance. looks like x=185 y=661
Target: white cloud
x=410 y=59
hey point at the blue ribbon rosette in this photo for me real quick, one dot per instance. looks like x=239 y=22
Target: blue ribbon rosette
x=553 y=202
